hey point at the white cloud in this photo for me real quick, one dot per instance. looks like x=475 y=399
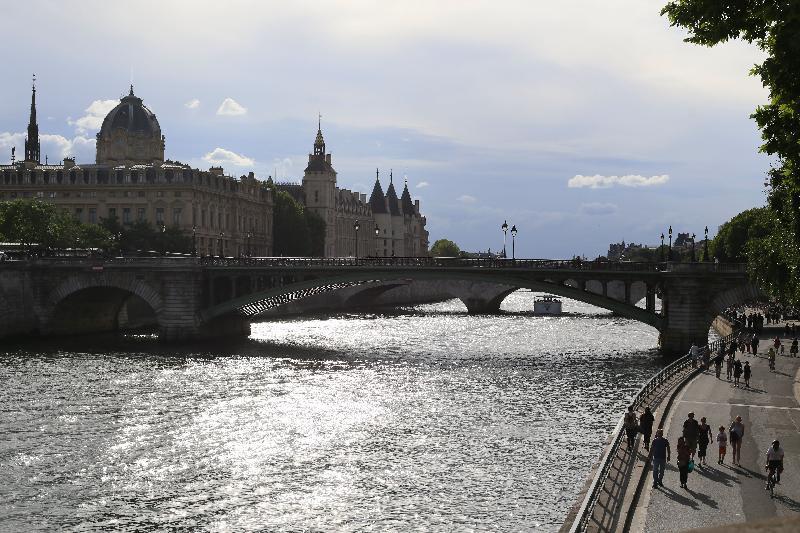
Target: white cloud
x=603 y=182
x=221 y=156
x=54 y=147
x=94 y=116
x=194 y=103
x=282 y=169
x=467 y=199
x=422 y=184
x=231 y=107
x=597 y=208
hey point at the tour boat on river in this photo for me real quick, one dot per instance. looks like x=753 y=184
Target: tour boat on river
x=547 y=305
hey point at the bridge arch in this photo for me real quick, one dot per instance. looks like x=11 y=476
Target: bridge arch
x=257 y=302
x=85 y=304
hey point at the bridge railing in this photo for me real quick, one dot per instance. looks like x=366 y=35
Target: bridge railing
x=403 y=262
x=595 y=490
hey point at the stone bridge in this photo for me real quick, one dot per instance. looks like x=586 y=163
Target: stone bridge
x=191 y=298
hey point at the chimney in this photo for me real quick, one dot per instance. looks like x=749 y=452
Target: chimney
x=416 y=206
x=328 y=158
x=69 y=162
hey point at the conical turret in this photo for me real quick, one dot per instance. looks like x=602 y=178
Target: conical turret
x=405 y=201
x=377 y=200
x=391 y=198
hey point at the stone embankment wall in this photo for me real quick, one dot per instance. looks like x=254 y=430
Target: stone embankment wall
x=16 y=312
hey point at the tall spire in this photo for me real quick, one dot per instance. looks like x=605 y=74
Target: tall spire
x=319 y=142
x=377 y=200
x=405 y=200
x=32 y=146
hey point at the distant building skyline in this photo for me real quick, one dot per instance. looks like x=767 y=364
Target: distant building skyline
x=577 y=123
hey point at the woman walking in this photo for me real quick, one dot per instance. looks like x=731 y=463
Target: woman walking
x=793 y=349
x=736 y=432
x=646 y=420
x=684 y=456
x=737 y=372
x=747 y=371
x=729 y=365
x=703 y=439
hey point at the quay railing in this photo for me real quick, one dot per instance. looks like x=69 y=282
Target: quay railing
x=586 y=511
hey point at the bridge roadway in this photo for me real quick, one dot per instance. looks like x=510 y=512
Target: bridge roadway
x=725 y=494
x=202 y=297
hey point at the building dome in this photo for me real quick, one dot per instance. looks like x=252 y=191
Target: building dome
x=130 y=135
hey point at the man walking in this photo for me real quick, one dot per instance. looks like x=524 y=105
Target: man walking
x=660 y=455
x=691 y=431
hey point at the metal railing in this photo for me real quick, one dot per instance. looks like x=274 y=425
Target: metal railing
x=587 y=508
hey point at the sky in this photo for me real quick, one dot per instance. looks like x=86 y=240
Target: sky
x=581 y=122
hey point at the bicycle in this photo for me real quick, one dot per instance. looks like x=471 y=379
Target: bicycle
x=772 y=480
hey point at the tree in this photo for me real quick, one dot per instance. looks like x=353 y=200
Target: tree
x=316 y=229
x=445 y=248
x=774 y=27
x=733 y=238
x=291 y=236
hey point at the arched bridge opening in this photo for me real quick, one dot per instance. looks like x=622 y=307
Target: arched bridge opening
x=100 y=309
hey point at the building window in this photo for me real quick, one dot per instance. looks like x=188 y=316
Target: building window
x=112 y=212
x=92 y=215
x=177 y=194
x=126 y=215
x=141 y=194
x=51 y=194
x=79 y=214
x=26 y=194
x=40 y=194
x=127 y=194
x=159 y=215
x=92 y=194
x=316 y=196
x=159 y=194
x=140 y=214
x=176 y=216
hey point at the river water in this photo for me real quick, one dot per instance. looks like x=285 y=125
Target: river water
x=420 y=419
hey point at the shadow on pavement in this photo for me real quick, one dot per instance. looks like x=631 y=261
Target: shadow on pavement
x=718 y=476
x=679 y=498
x=702 y=498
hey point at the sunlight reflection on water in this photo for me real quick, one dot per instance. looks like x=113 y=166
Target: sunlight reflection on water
x=418 y=419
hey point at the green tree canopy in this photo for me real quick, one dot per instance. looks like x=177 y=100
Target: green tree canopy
x=445 y=248
x=773 y=26
x=297 y=231
x=33 y=222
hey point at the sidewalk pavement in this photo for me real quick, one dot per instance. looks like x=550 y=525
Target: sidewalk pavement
x=727 y=494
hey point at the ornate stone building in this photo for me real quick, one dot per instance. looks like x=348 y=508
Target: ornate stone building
x=387 y=226
x=131 y=180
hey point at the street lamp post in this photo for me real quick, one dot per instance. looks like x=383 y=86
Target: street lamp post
x=377 y=234
x=694 y=258
x=356 y=226
x=163 y=239
x=669 y=252
x=221 y=244
x=662 y=247
x=513 y=241
x=249 y=234
x=705 y=246
x=194 y=241
x=504 y=227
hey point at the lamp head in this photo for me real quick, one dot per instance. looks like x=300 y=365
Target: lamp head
x=357 y=225
x=504 y=227
x=377 y=230
x=514 y=230
x=670 y=231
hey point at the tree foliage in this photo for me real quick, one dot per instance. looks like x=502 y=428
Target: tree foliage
x=41 y=224
x=773 y=26
x=297 y=231
x=445 y=248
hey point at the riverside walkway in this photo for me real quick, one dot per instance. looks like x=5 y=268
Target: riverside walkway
x=726 y=494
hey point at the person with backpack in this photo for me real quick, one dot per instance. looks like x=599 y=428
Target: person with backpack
x=691 y=432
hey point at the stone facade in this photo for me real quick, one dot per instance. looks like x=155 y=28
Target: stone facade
x=131 y=181
x=387 y=226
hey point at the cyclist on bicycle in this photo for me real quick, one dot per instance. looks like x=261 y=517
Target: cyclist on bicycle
x=775 y=460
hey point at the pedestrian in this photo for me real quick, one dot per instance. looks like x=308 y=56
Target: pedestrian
x=630 y=426
x=660 y=455
x=684 y=456
x=793 y=349
x=646 y=426
x=718 y=365
x=747 y=371
x=736 y=432
x=776 y=343
x=771 y=358
x=694 y=354
x=691 y=431
x=729 y=366
x=722 y=442
x=754 y=343
x=706 y=356
x=737 y=372
x=703 y=439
